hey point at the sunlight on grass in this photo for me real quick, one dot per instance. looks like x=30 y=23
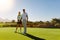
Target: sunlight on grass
x=45 y=33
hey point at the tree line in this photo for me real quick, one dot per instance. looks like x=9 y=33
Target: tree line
x=54 y=23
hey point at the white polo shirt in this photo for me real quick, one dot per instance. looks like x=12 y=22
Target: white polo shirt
x=24 y=16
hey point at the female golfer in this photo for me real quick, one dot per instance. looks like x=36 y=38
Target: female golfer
x=19 y=22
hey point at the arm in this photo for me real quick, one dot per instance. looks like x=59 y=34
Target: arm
x=17 y=18
x=21 y=17
x=27 y=17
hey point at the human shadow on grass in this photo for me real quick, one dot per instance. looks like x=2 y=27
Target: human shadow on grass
x=52 y=28
x=32 y=37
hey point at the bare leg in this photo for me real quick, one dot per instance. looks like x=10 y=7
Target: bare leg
x=16 y=28
x=20 y=27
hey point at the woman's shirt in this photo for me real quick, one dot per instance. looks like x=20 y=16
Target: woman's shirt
x=19 y=17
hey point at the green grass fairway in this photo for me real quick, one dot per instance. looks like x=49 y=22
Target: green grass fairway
x=44 y=33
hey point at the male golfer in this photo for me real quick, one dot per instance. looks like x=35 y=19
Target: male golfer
x=24 y=20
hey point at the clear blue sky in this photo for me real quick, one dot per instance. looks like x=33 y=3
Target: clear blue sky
x=38 y=10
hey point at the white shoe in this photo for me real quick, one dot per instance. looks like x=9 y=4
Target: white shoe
x=15 y=31
x=23 y=33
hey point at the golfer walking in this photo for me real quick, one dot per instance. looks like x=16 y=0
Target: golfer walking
x=24 y=20
x=19 y=22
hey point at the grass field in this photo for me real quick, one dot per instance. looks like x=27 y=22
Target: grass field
x=44 y=33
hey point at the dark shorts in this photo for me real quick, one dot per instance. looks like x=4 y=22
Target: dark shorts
x=19 y=22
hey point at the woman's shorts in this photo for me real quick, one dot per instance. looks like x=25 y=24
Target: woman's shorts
x=19 y=22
